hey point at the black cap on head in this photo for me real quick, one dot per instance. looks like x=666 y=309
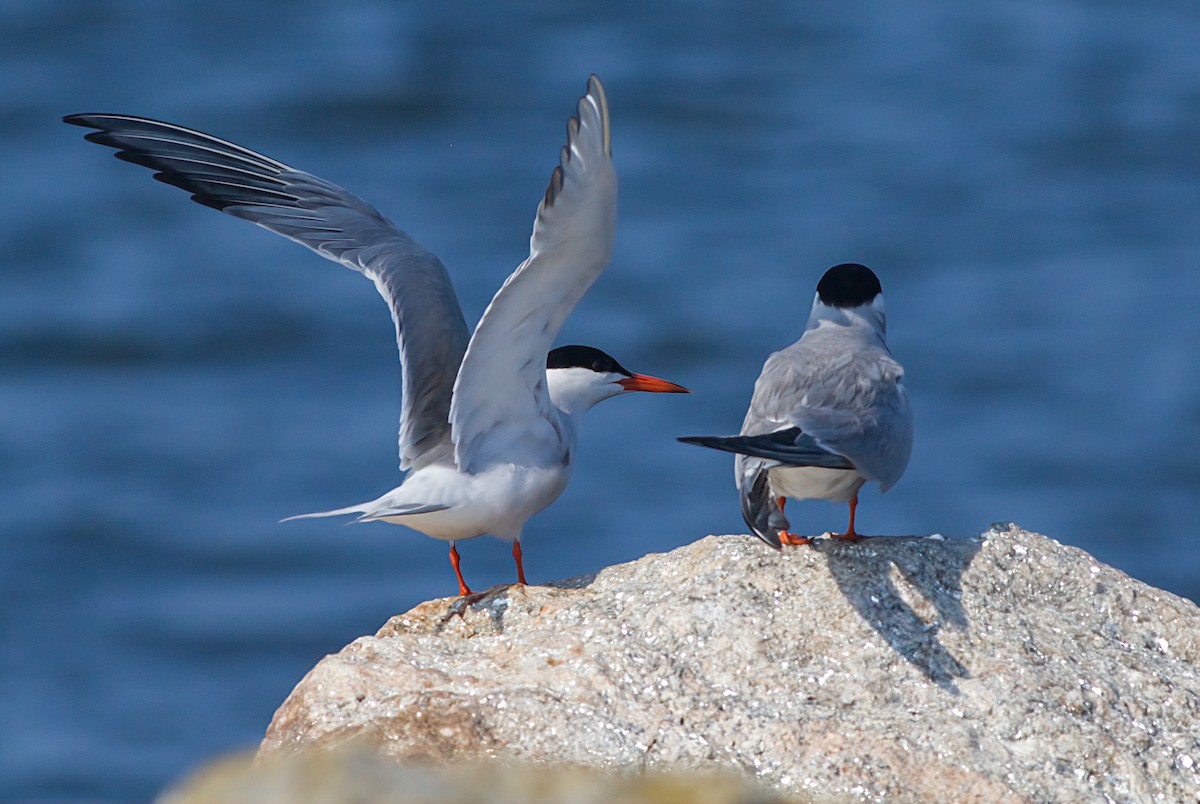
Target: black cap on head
x=848 y=285
x=586 y=357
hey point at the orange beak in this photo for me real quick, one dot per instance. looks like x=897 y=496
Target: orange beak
x=644 y=382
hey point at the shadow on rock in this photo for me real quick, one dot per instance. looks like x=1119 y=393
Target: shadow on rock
x=494 y=601
x=868 y=574
x=487 y=611
x=576 y=582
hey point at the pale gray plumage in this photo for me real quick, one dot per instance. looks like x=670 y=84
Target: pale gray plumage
x=337 y=225
x=832 y=405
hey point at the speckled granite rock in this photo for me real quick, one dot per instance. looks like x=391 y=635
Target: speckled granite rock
x=1002 y=668
x=346 y=777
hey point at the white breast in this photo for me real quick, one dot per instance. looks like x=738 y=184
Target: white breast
x=498 y=501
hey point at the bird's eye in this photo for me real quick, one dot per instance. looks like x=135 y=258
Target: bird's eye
x=598 y=365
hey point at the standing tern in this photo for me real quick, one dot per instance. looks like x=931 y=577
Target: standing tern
x=488 y=424
x=829 y=413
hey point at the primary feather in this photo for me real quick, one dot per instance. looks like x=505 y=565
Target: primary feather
x=431 y=333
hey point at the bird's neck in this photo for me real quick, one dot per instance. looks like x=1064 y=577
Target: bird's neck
x=575 y=391
x=571 y=406
x=868 y=317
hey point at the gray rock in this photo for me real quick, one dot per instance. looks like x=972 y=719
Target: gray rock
x=1002 y=668
x=344 y=777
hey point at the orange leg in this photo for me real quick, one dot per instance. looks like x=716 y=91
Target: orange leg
x=517 y=558
x=463 y=589
x=850 y=535
x=784 y=536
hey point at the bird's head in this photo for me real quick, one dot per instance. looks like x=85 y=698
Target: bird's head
x=849 y=294
x=578 y=377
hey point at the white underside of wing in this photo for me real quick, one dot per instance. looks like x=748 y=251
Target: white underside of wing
x=501 y=403
x=322 y=216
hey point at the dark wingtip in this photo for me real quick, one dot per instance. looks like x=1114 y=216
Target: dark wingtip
x=771 y=539
x=572 y=133
x=86 y=119
x=721 y=443
x=595 y=88
x=554 y=187
x=699 y=441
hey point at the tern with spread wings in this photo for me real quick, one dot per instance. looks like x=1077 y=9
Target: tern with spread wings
x=489 y=422
x=829 y=413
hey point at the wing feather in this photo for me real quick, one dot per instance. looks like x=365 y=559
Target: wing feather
x=757 y=503
x=430 y=330
x=790 y=447
x=501 y=405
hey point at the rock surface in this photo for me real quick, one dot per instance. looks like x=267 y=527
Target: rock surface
x=1001 y=668
x=319 y=777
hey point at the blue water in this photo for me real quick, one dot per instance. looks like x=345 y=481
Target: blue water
x=1024 y=177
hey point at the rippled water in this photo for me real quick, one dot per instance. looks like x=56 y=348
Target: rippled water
x=1023 y=177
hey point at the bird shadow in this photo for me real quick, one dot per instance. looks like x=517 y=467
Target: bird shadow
x=495 y=601
x=870 y=573
x=575 y=582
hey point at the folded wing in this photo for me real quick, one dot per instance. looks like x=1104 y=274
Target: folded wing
x=844 y=392
x=790 y=447
x=759 y=508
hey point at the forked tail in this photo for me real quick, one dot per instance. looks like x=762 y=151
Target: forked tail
x=369 y=514
x=353 y=509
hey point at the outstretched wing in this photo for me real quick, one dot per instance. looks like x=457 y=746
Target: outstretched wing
x=501 y=405
x=430 y=330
